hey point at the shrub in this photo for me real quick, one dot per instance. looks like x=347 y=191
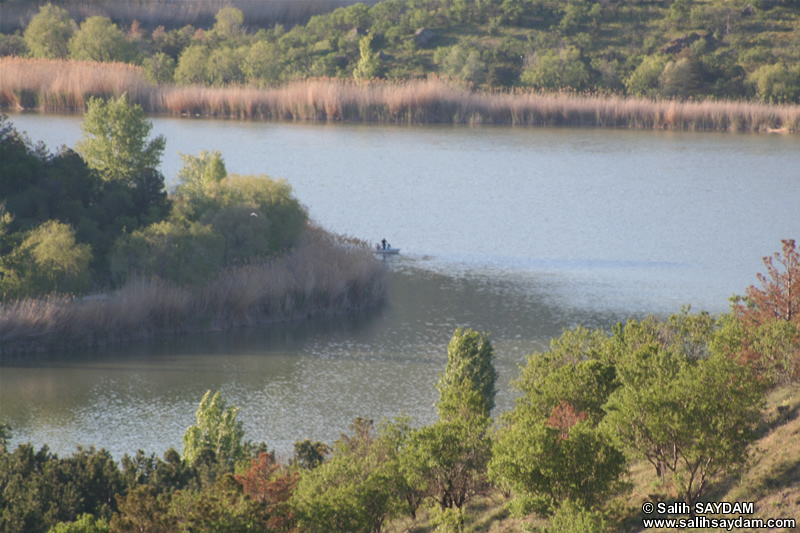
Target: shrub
x=49 y=260
x=99 y=39
x=49 y=32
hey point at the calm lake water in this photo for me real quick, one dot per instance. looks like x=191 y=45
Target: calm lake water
x=520 y=232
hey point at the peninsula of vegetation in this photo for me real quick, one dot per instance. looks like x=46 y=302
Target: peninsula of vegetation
x=685 y=64
x=684 y=411
x=93 y=250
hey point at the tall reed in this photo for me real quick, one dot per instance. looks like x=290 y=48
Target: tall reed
x=323 y=274
x=65 y=86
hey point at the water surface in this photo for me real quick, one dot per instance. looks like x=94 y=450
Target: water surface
x=520 y=232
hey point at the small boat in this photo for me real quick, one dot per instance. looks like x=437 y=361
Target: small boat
x=387 y=251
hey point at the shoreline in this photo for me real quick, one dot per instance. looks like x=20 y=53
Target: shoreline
x=65 y=86
x=325 y=275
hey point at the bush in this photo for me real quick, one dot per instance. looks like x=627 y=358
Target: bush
x=49 y=260
x=644 y=81
x=557 y=70
x=99 y=39
x=183 y=253
x=192 y=65
x=777 y=83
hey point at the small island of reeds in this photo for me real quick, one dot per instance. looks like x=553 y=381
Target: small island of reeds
x=93 y=250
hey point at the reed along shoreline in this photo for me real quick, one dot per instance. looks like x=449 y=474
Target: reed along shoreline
x=322 y=275
x=65 y=86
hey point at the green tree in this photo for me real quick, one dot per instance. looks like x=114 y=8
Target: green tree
x=159 y=68
x=573 y=518
x=49 y=260
x=99 y=39
x=284 y=217
x=308 y=455
x=461 y=62
x=229 y=21
x=470 y=359
x=49 y=31
x=447 y=461
x=691 y=420
x=262 y=63
x=644 y=81
x=356 y=489
x=192 y=65
x=547 y=462
x=216 y=429
x=114 y=140
x=85 y=523
x=557 y=69
x=5 y=436
x=223 y=67
x=680 y=78
x=368 y=65
x=777 y=83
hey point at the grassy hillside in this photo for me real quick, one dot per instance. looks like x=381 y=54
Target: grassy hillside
x=771 y=480
x=671 y=49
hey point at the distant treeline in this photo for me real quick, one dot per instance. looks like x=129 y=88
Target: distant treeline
x=221 y=250
x=16 y=14
x=686 y=49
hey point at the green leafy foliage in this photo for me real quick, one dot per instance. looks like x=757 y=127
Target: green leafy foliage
x=99 y=39
x=216 y=430
x=447 y=460
x=572 y=518
x=682 y=49
x=575 y=370
x=356 y=489
x=39 y=188
x=49 y=32
x=38 y=490
x=308 y=455
x=115 y=141
x=545 y=462
x=367 y=67
x=85 y=523
x=49 y=260
x=690 y=418
x=184 y=253
x=469 y=363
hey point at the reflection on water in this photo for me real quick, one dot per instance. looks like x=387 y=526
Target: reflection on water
x=294 y=381
x=519 y=232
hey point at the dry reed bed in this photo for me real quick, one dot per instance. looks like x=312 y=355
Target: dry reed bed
x=53 y=85
x=324 y=274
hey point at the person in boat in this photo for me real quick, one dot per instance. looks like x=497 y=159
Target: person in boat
x=378 y=246
x=383 y=242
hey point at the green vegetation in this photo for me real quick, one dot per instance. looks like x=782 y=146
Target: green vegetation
x=692 y=408
x=654 y=410
x=684 y=49
x=105 y=214
x=100 y=220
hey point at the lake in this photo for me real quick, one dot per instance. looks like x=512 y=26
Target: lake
x=519 y=232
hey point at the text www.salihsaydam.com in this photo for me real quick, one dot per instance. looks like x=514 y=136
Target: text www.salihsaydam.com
x=702 y=522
